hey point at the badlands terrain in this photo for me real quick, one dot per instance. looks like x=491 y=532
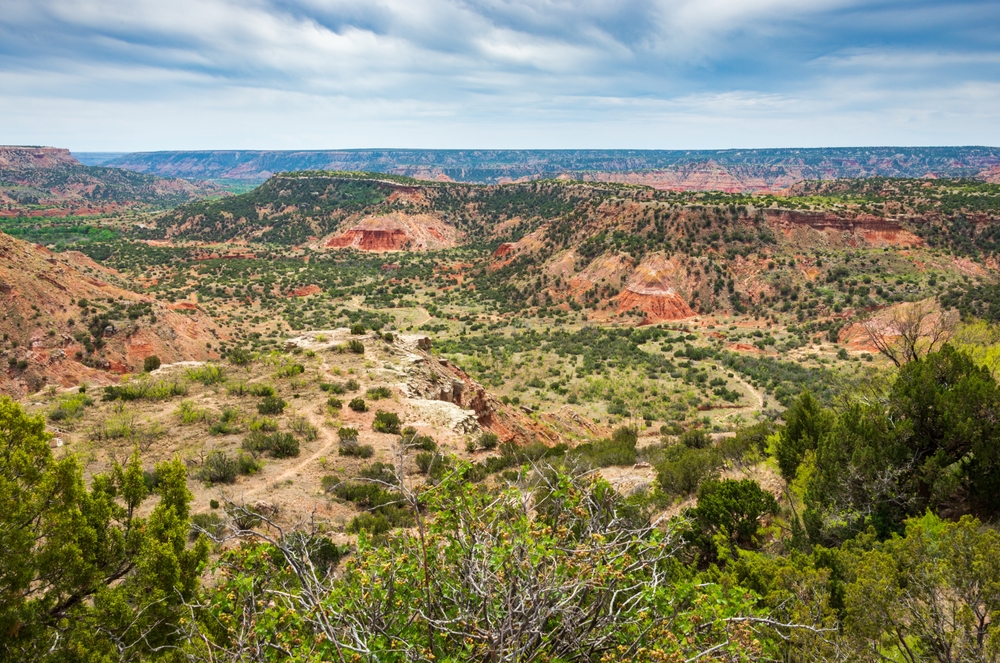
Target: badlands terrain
x=347 y=415
x=560 y=309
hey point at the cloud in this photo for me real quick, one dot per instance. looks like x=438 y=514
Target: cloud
x=156 y=74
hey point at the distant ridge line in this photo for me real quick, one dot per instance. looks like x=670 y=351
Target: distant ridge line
x=733 y=169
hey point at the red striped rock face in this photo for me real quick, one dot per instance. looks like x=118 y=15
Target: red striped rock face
x=396 y=232
x=651 y=290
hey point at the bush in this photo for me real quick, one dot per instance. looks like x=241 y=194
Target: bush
x=189 y=414
x=240 y=357
x=210 y=523
x=284 y=445
x=378 y=393
x=619 y=450
x=383 y=472
x=150 y=363
x=351 y=385
x=352 y=448
x=334 y=403
x=262 y=390
x=70 y=407
x=333 y=388
x=219 y=468
x=358 y=405
x=386 y=422
x=264 y=424
x=208 y=374
x=227 y=423
x=247 y=465
x=696 y=439
x=357 y=329
x=238 y=389
x=144 y=390
x=256 y=443
x=731 y=507
x=279 y=445
x=489 y=441
x=683 y=469
x=290 y=370
x=424 y=442
x=431 y=463
x=373 y=523
x=747 y=442
x=356 y=346
x=304 y=429
x=271 y=405
x=346 y=434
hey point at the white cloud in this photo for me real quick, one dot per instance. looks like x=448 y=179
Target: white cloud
x=159 y=74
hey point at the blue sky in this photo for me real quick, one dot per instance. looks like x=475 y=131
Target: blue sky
x=130 y=75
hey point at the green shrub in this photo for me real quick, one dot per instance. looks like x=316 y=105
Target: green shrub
x=271 y=405
x=150 y=363
x=290 y=370
x=227 y=423
x=357 y=329
x=373 y=523
x=264 y=424
x=619 y=450
x=432 y=463
x=213 y=504
x=378 y=393
x=345 y=433
x=240 y=357
x=386 y=422
x=70 y=407
x=208 y=374
x=256 y=442
x=262 y=390
x=683 y=469
x=489 y=441
x=189 y=414
x=284 y=445
x=279 y=445
x=351 y=385
x=219 y=468
x=237 y=389
x=143 y=390
x=209 y=523
x=424 y=442
x=730 y=507
x=696 y=439
x=382 y=472
x=247 y=465
x=358 y=405
x=334 y=403
x=747 y=443
x=352 y=448
x=304 y=429
x=333 y=388
x=356 y=346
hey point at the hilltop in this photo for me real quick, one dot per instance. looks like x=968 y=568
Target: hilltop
x=46 y=181
x=740 y=170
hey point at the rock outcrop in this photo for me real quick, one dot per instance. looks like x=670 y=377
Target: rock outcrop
x=45 y=325
x=396 y=232
x=651 y=290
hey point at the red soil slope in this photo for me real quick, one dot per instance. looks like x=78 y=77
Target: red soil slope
x=39 y=296
x=395 y=232
x=651 y=289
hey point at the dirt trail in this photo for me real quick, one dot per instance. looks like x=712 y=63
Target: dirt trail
x=758 y=407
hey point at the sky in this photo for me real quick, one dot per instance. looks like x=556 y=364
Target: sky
x=141 y=75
